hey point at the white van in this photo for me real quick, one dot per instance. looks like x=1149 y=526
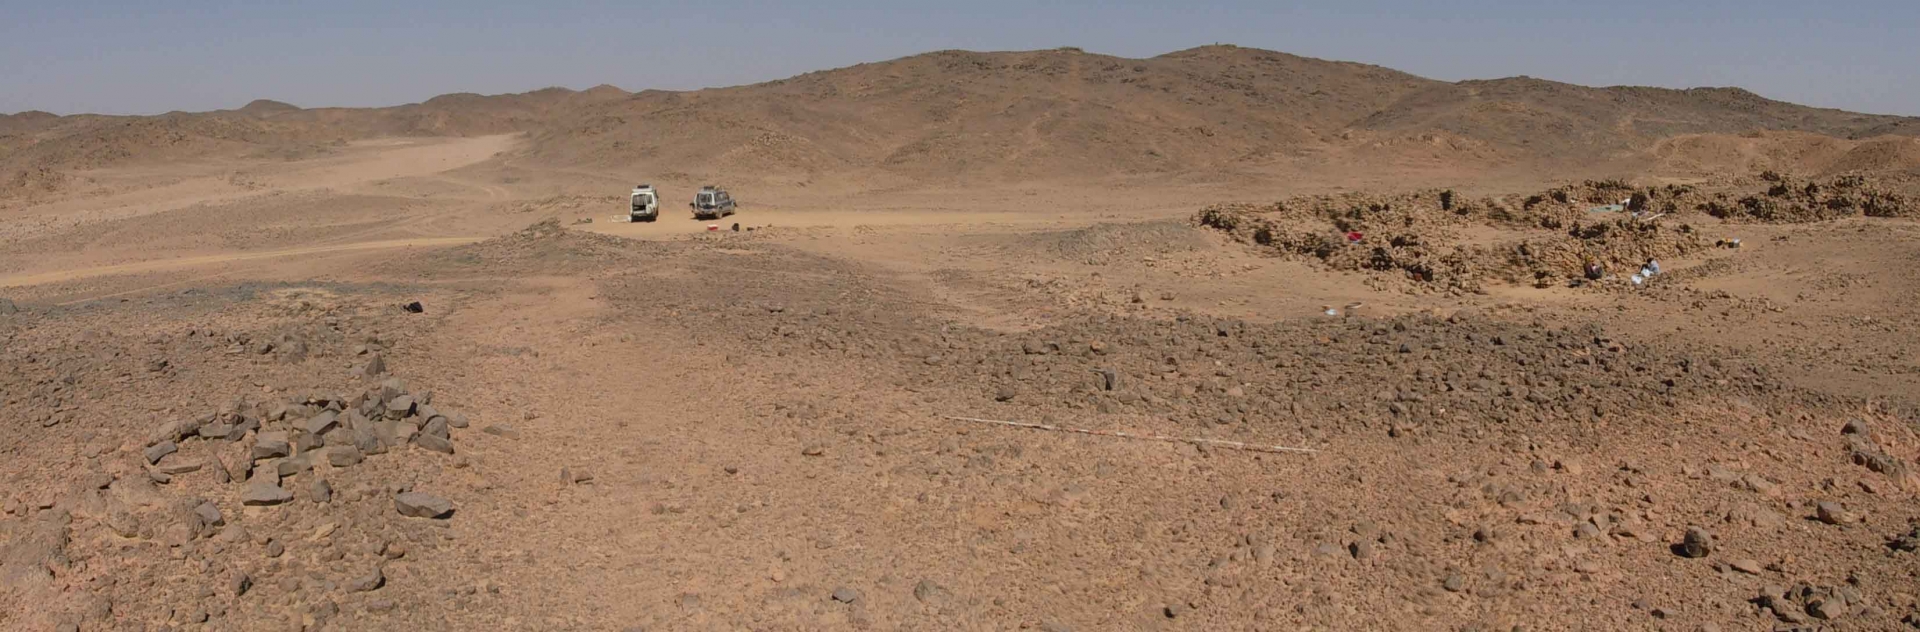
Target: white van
x=646 y=204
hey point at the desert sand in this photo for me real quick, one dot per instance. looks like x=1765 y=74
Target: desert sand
x=408 y=368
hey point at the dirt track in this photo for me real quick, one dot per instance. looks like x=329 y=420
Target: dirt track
x=191 y=262
x=666 y=427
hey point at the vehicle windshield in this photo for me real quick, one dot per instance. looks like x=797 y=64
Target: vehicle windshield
x=643 y=198
x=705 y=199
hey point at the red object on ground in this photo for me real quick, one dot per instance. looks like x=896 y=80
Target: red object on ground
x=713 y=227
x=1353 y=237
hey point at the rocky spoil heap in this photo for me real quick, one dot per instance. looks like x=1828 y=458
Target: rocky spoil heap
x=1422 y=239
x=1785 y=199
x=286 y=508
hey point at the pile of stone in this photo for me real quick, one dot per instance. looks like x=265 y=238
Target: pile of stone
x=1807 y=603
x=1428 y=238
x=201 y=514
x=1790 y=200
x=1866 y=452
x=275 y=441
x=1908 y=542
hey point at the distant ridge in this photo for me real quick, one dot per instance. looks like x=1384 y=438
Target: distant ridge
x=1048 y=114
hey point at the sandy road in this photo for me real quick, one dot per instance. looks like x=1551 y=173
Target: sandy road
x=364 y=164
x=361 y=165
x=163 y=265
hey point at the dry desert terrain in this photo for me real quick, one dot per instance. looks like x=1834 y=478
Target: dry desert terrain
x=409 y=368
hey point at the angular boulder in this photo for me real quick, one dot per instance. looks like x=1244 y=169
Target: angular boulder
x=271 y=444
x=263 y=493
x=422 y=505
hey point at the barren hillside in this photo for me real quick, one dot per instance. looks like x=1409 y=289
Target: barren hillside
x=1060 y=114
x=1024 y=115
x=38 y=139
x=1070 y=114
x=1563 y=119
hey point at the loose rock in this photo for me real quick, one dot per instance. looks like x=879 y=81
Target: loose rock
x=179 y=467
x=262 y=493
x=1832 y=513
x=374 y=367
x=421 y=505
x=160 y=450
x=1826 y=608
x=436 y=426
x=233 y=534
x=322 y=423
x=400 y=407
x=435 y=443
x=216 y=431
x=271 y=444
x=209 y=513
x=344 y=456
x=369 y=582
x=1697 y=543
x=927 y=592
x=293 y=466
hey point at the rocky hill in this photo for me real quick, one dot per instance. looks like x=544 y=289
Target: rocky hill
x=1060 y=114
x=1069 y=114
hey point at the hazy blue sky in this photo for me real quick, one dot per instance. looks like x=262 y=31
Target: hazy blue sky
x=148 y=56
